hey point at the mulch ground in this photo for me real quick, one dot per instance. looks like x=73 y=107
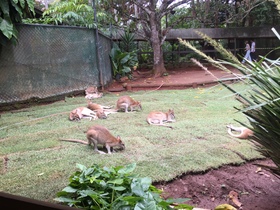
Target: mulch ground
x=255 y=188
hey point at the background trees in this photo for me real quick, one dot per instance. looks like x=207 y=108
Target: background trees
x=153 y=19
x=145 y=18
x=11 y=12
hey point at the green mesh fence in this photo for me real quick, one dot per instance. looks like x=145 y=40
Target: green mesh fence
x=51 y=60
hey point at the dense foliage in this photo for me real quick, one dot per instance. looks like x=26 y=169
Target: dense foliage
x=124 y=56
x=11 y=12
x=113 y=188
x=64 y=12
x=122 y=61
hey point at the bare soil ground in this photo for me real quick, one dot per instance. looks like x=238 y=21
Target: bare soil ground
x=256 y=188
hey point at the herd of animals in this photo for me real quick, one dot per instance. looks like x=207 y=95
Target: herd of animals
x=98 y=134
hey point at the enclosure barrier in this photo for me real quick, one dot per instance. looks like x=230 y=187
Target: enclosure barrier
x=50 y=61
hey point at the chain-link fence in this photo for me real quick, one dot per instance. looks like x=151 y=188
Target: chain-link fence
x=52 y=60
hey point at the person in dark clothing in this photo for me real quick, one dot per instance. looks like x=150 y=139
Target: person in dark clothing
x=253 y=50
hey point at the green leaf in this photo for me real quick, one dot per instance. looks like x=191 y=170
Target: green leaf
x=7 y=28
x=65 y=200
x=183 y=206
x=118 y=188
x=4 y=6
x=18 y=16
x=88 y=171
x=146 y=205
x=22 y=3
x=69 y=189
x=132 y=199
x=127 y=169
x=81 y=167
x=140 y=185
x=116 y=181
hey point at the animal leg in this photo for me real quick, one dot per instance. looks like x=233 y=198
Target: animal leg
x=108 y=149
x=158 y=123
x=126 y=108
x=95 y=147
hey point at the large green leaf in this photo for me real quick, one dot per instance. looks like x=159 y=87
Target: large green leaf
x=4 y=7
x=7 y=28
x=127 y=169
x=116 y=181
x=69 y=189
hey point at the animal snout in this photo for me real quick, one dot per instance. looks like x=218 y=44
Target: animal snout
x=122 y=146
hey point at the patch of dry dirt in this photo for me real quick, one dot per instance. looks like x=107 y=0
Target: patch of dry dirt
x=176 y=79
x=256 y=190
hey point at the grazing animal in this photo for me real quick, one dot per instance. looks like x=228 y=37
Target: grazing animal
x=125 y=102
x=98 y=134
x=101 y=111
x=82 y=112
x=244 y=133
x=159 y=118
x=92 y=92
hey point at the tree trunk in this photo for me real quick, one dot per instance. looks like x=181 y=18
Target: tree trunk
x=156 y=43
x=158 y=68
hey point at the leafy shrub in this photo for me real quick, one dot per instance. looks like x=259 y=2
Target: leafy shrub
x=122 y=62
x=113 y=188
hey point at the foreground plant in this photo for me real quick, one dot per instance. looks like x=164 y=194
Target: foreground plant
x=11 y=12
x=261 y=99
x=113 y=188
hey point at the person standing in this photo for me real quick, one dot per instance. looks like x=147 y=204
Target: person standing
x=253 y=50
x=247 y=50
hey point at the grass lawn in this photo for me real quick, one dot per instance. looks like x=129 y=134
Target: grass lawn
x=39 y=164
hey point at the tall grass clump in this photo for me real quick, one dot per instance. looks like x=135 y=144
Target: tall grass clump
x=260 y=100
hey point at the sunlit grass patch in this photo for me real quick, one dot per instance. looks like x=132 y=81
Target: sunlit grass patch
x=39 y=164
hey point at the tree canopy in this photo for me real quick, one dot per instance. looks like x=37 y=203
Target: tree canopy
x=153 y=19
x=11 y=12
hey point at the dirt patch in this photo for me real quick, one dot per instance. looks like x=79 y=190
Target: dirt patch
x=176 y=79
x=257 y=188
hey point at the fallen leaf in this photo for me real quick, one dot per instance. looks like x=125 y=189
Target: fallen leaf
x=259 y=169
x=233 y=196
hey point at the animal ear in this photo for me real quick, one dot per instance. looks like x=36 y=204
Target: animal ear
x=119 y=138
